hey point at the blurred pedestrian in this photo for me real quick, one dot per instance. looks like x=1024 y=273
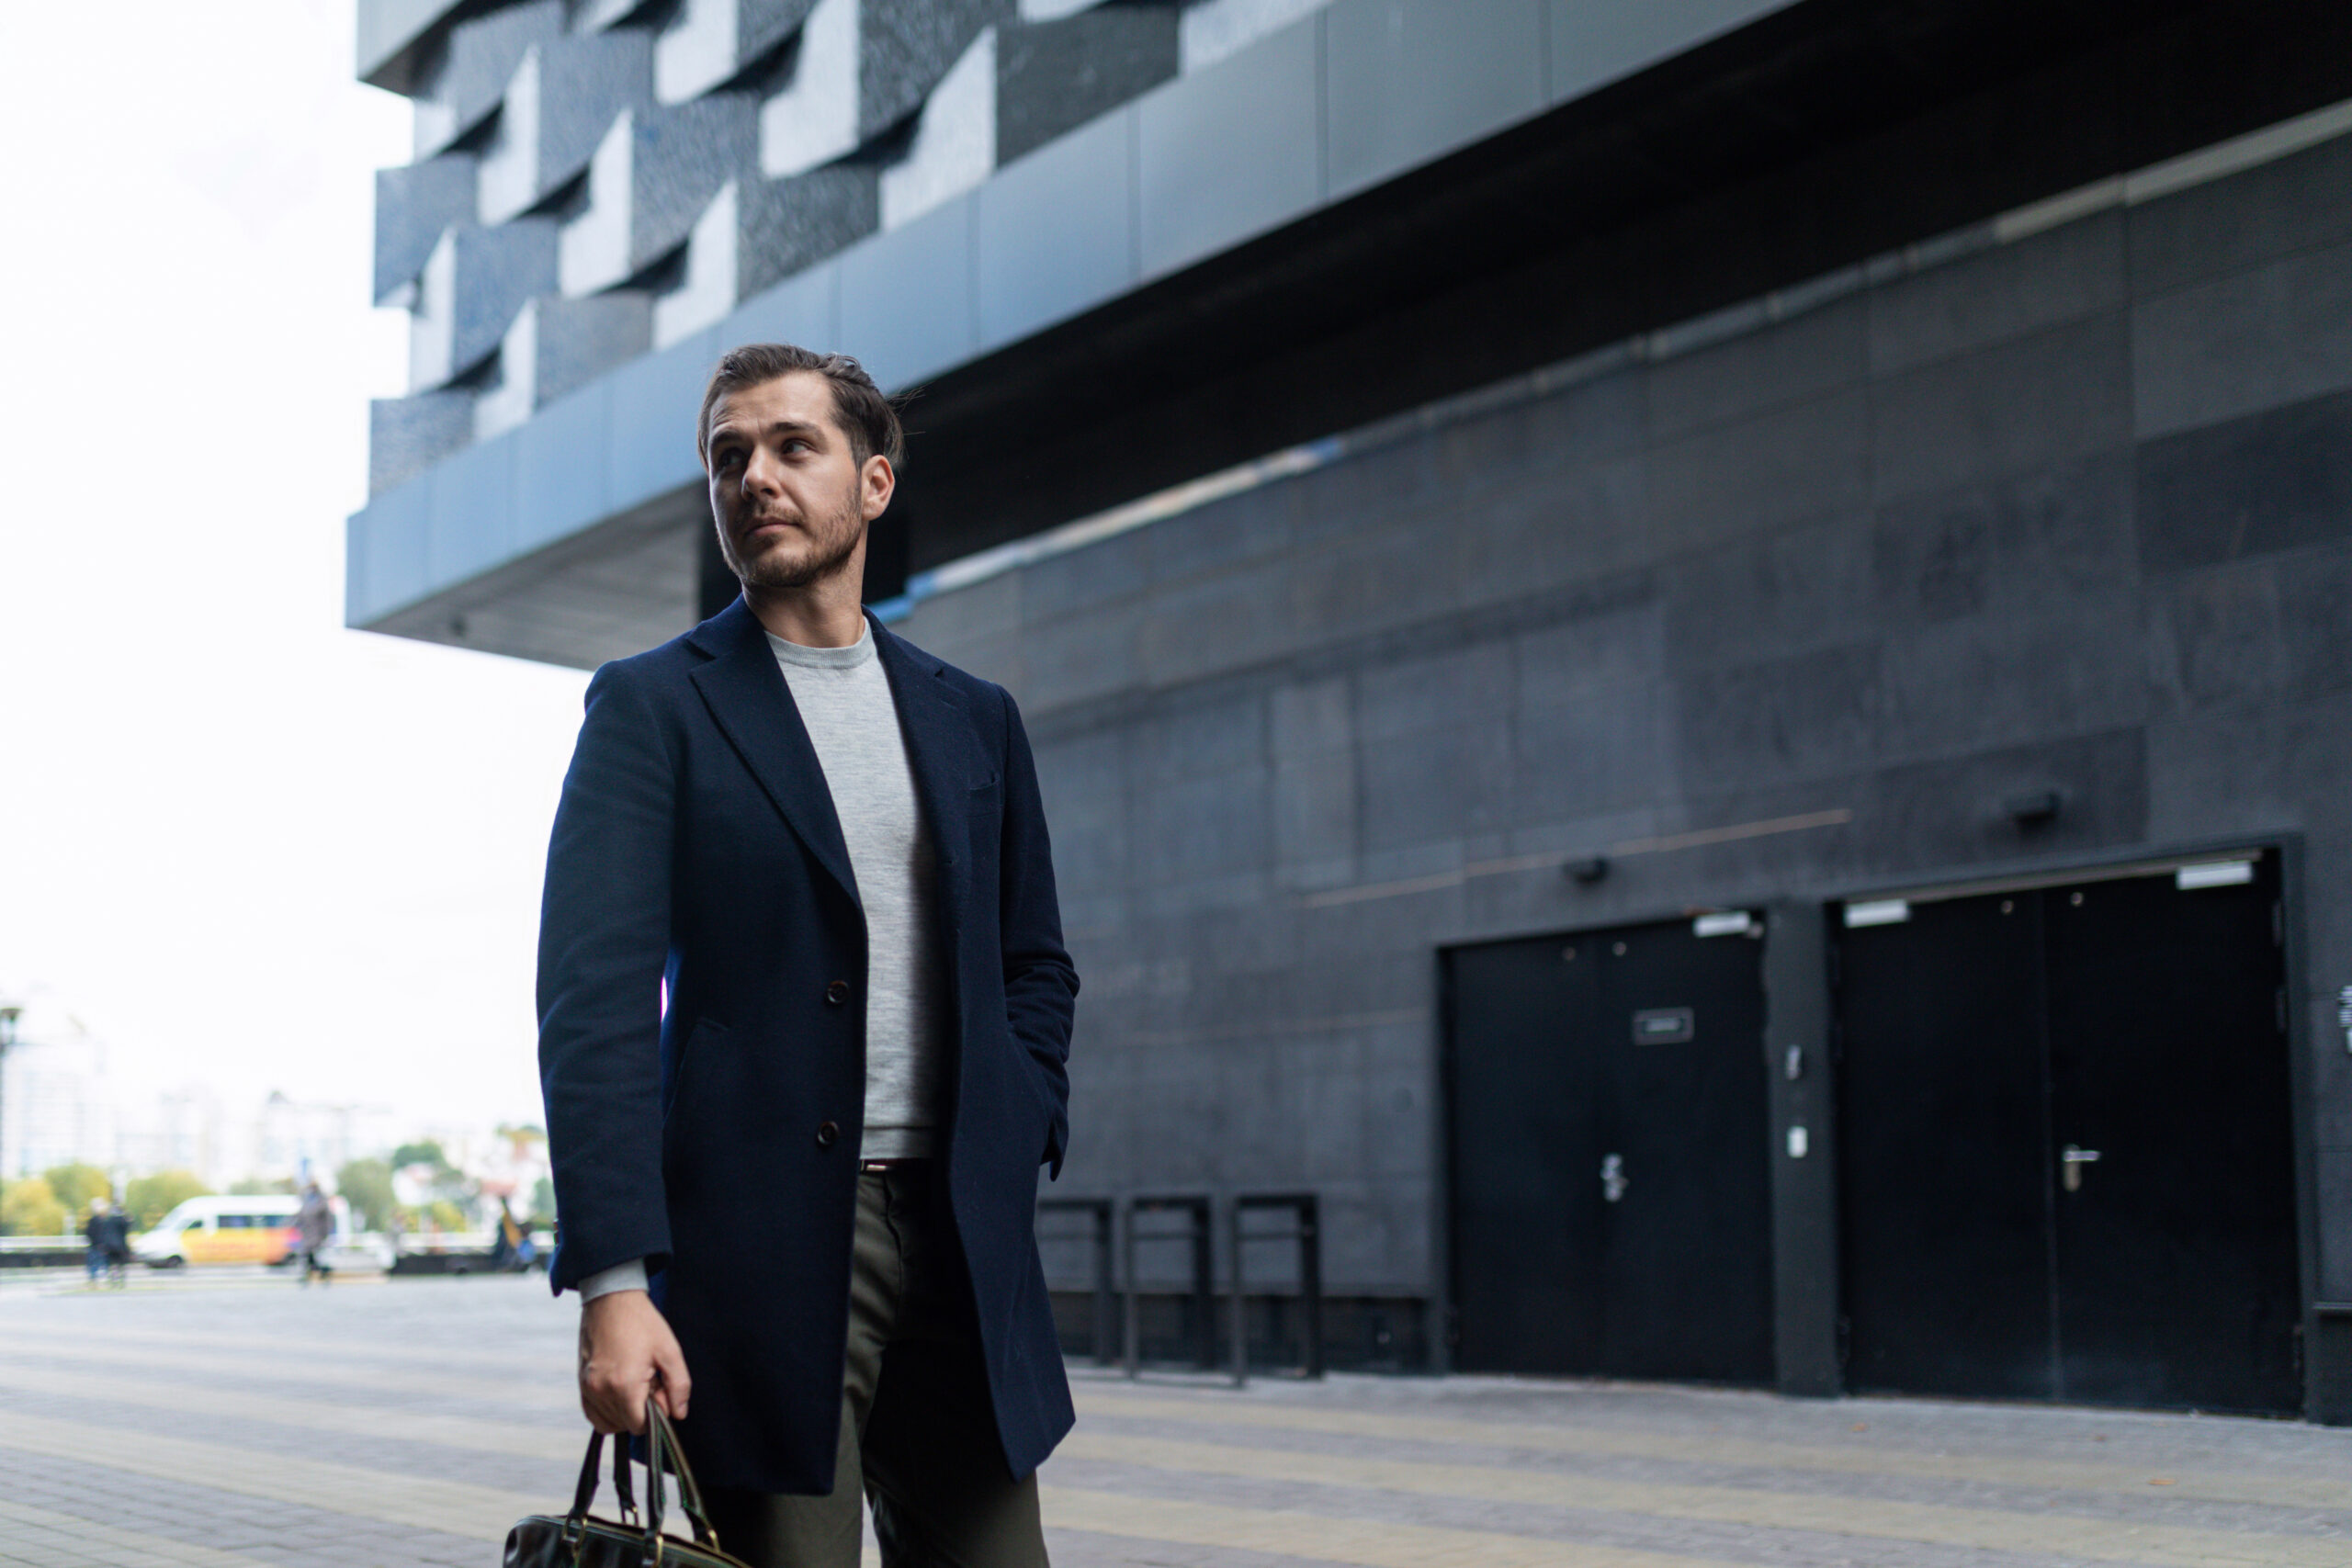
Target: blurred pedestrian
x=832 y=845
x=116 y=1241
x=95 y=1232
x=314 y=1222
x=511 y=1252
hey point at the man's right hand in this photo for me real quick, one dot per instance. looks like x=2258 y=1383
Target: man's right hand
x=626 y=1352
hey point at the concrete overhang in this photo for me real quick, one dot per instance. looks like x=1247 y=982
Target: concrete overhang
x=393 y=34
x=498 y=546
x=1390 y=203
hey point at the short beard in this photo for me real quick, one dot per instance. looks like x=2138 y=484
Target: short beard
x=833 y=544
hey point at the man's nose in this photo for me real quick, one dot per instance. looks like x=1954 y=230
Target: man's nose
x=761 y=474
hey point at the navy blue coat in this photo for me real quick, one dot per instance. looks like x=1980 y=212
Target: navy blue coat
x=696 y=845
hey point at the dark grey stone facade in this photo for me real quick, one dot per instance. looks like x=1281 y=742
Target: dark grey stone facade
x=758 y=168
x=682 y=158
x=906 y=46
x=1752 y=444
x=1056 y=76
x=414 y=204
x=789 y=223
x=2071 y=513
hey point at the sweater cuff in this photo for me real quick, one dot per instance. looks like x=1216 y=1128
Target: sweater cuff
x=629 y=1276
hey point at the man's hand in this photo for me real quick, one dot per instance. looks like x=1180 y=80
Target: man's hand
x=626 y=1353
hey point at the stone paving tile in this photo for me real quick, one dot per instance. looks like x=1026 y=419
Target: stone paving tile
x=1723 y=1541
x=315 y=1375
x=387 y=1449
x=171 y=1404
x=2166 y=1507
x=1084 y=1549
x=2017 y=1430
x=1524 y=1415
x=282 y=1535
x=546 y=1429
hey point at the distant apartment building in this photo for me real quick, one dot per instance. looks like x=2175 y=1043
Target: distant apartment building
x=1695 y=658
x=296 y=1140
x=180 y=1129
x=62 y=1103
x=57 y=1100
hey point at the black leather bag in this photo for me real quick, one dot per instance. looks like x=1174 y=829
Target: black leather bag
x=579 y=1539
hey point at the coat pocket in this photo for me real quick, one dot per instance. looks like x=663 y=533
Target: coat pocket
x=1050 y=1108
x=704 y=1037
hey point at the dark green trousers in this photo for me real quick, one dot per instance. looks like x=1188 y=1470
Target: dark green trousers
x=917 y=1435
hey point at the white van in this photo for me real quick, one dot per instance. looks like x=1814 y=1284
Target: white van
x=258 y=1228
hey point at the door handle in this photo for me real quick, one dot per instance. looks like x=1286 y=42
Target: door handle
x=1612 y=1177
x=2074 y=1159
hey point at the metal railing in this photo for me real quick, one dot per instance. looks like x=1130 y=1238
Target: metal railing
x=42 y=1243
x=1196 y=1213
x=1116 y=1232
x=1102 y=1223
x=1305 y=1232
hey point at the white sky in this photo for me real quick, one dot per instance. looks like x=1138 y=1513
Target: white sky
x=246 y=846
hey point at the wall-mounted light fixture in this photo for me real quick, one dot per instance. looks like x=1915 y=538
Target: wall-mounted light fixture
x=2033 y=808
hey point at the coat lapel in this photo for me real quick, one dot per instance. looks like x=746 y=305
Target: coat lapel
x=942 y=751
x=752 y=705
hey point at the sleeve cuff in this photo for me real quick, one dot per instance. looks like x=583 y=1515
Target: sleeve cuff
x=629 y=1276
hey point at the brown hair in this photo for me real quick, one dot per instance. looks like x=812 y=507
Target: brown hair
x=865 y=416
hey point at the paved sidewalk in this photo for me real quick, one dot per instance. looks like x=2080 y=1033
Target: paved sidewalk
x=230 y=1422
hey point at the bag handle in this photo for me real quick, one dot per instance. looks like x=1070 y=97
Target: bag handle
x=622 y=1488
x=663 y=1451
x=584 y=1494
x=663 y=1446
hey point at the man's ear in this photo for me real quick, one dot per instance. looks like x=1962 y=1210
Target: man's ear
x=877 y=481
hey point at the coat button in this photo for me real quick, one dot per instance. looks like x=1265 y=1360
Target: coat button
x=838 y=992
x=827 y=1134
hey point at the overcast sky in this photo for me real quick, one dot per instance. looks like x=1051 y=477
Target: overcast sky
x=247 y=846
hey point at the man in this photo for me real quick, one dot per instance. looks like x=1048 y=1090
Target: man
x=314 y=1226
x=113 y=1238
x=804 y=1017
x=95 y=1232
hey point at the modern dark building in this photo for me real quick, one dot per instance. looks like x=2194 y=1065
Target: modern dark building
x=1693 y=657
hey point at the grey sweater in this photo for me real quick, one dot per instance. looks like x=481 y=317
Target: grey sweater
x=844 y=700
x=843 y=696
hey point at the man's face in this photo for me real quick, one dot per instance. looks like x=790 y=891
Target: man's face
x=789 y=497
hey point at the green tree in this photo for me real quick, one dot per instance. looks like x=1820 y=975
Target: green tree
x=256 y=1186
x=150 y=1197
x=543 y=1199
x=75 y=1185
x=29 y=1208
x=443 y=1182
x=367 y=1185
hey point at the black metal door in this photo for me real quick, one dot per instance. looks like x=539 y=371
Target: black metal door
x=1686 y=1263
x=1521 y=1109
x=1943 y=1139
x=2174 y=1246
x=2067 y=1169
x=1611 y=1212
